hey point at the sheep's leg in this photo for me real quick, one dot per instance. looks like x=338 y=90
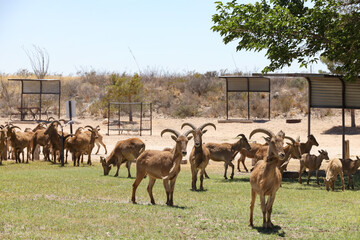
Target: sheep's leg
x=149 y=189
x=317 y=177
x=232 y=171
x=308 y=179
x=23 y=156
x=194 y=173
x=98 y=145
x=300 y=172
x=252 y=203
x=172 y=187
x=226 y=167
x=66 y=155
x=206 y=175
x=202 y=179
x=352 y=181
x=269 y=205
x=263 y=209
x=167 y=190
x=104 y=146
x=89 y=158
x=118 y=168
x=342 y=180
x=128 y=165
x=139 y=177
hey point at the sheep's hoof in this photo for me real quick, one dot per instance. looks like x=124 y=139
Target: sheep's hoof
x=115 y=175
x=251 y=225
x=225 y=177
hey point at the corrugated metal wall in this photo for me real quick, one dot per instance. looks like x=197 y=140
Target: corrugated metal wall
x=240 y=84
x=352 y=95
x=326 y=92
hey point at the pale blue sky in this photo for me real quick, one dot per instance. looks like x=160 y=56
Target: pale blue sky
x=163 y=35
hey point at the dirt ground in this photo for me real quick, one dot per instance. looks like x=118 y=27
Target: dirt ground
x=326 y=130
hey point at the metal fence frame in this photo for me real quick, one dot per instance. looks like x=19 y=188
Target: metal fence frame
x=140 y=129
x=248 y=89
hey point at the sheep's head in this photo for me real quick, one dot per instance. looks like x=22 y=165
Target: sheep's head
x=323 y=154
x=94 y=131
x=105 y=166
x=11 y=130
x=198 y=132
x=294 y=147
x=275 y=142
x=242 y=143
x=312 y=140
x=328 y=183
x=180 y=139
x=52 y=128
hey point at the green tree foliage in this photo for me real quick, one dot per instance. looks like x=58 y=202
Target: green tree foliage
x=295 y=30
x=124 y=89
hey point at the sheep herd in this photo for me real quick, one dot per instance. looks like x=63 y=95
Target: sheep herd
x=270 y=160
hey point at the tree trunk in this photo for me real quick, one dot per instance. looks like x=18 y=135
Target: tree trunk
x=353 y=124
x=130 y=110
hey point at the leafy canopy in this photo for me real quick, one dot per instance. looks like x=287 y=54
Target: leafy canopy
x=124 y=88
x=294 y=30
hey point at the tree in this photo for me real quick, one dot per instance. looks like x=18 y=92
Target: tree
x=124 y=87
x=295 y=30
x=39 y=60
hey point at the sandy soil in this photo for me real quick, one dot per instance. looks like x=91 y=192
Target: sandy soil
x=326 y=130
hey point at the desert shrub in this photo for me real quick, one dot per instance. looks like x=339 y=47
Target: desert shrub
x=188 y=110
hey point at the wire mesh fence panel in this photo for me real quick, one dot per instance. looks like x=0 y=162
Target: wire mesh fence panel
x=129 y=118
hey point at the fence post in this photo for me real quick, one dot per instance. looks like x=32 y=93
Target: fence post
x=141 y=111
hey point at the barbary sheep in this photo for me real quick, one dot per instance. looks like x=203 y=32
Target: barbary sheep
x=161 y=165
x=312 y=162
x=333 y=169
x=125 y=151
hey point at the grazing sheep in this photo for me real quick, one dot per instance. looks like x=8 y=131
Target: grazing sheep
x=333 y=169
x=349 y=167
x=200 y=155
x=312 y=162
x=124 y=151
x=225 y=152
x=161 y=165
x=265 y=179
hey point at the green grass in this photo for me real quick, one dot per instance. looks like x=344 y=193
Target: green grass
x=44 y=201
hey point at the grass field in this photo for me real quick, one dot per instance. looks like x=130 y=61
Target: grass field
x=44 y=201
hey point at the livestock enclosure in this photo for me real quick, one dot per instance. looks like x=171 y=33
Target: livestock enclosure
x=42 y=201
x=131 y=117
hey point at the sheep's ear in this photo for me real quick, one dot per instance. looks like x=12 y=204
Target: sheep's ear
x=174 y=137
x=189 y=137
x=289 y=144
x=267 y=140
x=204 y=131
x=357 y=158
x=319 y=151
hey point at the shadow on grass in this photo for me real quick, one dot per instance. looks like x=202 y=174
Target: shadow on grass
x=244 y=179
x=275 y=230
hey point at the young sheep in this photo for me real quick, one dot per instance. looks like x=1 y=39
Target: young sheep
x=312 y=162
x=161 y=165
x=306 y=147
x=349 y=167
x=125 y=151
x=266 y=178
x=333 y=169
x=200 y=155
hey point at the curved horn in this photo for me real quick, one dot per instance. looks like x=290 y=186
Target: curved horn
x=55 y=121
x=207 y=124
x=78 y=129
x=176 y=133
x=188 y=132
x=262 y=130
x=62 y=120
x=88 y=126
x=12 y=127
x=188 y=124
x=98 y=127
x=51 y=119
x=290 y=138
x=241 y=135
x=1 y=126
